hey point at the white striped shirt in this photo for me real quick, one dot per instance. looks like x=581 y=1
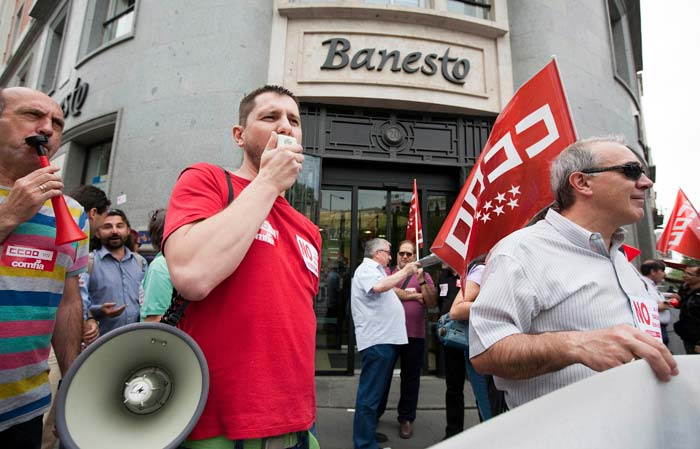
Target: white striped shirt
x=552 y=276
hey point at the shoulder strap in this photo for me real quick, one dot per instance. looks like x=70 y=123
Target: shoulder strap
x=405 y=282
x=229 y=184
x=178 y=303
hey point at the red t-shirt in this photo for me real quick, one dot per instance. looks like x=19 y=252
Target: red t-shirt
x=257 y=328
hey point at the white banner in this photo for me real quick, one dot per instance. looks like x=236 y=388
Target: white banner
x=625 y=407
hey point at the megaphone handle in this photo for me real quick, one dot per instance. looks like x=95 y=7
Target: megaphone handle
x=44 y=161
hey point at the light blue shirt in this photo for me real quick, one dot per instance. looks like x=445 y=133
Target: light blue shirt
x=379 y=317
x=112 y=280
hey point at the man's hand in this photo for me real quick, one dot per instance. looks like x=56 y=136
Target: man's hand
x=280 y=166
x=90 y=331
x=410 y=269
x=27 y=196
x=108 y=309
x=607 y=348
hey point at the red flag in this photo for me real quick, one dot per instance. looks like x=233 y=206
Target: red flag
x=510 y=181
x=682 y=232
x=414 y=229
x=630 y=252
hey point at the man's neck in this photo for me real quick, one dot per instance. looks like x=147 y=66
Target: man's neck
x=591 y=222
x=118 y=253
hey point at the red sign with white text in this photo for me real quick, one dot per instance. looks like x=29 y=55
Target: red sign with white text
x=509 y=183
x=21 y=256
x=682 y=232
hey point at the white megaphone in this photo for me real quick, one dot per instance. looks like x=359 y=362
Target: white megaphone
x=143 y=385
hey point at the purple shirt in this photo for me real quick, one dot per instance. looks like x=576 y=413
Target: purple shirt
x=414 y=310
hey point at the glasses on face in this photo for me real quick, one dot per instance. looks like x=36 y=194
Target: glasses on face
x=405 y=254
x=385 y=251
x=631 y=170
x=687 y=273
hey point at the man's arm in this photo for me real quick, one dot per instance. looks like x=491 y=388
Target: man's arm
x=202 y=254
x=522 y=356
x=408 y=296
x=389 y=282
x=69 y=325
x=427 y=289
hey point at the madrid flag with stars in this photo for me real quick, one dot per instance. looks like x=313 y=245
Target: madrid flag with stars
x=510 y=181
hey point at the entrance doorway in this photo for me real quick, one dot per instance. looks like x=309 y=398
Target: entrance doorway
x=356 y=184
x=351 y=213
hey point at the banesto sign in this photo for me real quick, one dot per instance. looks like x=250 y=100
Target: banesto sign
x=454 y=70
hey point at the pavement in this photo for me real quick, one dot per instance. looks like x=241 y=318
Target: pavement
x=335 y=398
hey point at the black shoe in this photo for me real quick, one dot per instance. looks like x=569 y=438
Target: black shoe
x=381 y=438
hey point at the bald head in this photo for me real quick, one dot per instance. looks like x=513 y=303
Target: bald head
x=26 y=112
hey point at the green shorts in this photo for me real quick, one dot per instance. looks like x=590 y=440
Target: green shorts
x=222 y=442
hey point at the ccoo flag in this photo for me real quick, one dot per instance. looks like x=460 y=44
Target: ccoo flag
x=682 y=232
x=414 y=229
x=510 y=181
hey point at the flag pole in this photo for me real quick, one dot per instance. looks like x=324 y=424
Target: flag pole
x=415 y=217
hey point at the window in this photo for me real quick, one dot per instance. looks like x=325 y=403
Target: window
x=22 y=76
x=413 y=3
x=52 y=52
x=475 y=8
x=120 y=21
x=16 y=27
x=108 y=21
x=621 y=48
x=97 y=164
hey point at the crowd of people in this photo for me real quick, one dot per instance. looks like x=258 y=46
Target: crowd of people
x=551 y=304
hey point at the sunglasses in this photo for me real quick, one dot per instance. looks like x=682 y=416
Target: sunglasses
x=405 y=254
x=631 y=170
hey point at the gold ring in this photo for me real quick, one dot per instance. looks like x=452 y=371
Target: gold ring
x=42 y=187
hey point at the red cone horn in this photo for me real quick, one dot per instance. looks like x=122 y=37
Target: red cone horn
x=67 y=231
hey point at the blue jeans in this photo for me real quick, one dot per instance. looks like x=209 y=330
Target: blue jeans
x=411 y=355
x=480 y=388
x=375 y=378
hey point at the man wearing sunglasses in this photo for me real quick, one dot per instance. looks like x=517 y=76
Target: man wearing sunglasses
x=557 y=298
x=688 y=325
x=417 y=293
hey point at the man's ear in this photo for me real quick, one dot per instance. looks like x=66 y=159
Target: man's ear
x=91 y=214
x=581 y=183
x=237 y=132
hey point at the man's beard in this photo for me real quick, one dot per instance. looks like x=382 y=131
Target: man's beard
x=114 y=242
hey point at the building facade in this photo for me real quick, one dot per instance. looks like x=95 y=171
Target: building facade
x=390 y=91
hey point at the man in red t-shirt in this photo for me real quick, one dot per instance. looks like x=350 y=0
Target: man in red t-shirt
x=250 y=268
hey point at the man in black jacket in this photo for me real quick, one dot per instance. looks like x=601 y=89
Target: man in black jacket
x=688 y=325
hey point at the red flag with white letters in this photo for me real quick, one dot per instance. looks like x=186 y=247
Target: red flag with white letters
x=509 y=183
x=414 y=228
x=682 y=232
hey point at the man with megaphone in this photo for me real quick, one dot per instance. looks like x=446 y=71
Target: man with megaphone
x=249 y=264
x=38 y=278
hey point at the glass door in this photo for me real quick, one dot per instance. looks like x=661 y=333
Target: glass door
x=332 y=304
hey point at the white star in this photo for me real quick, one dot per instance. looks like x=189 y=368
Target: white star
x=499 y=210
x=513 y=204
x=477 y=216
x=514 y=190
x=488 y=205
x=501 y=197
x=485 y=218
